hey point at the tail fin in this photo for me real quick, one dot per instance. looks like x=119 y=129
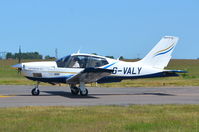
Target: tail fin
x=160 y=55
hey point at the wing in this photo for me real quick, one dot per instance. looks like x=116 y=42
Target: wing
x=89 y=75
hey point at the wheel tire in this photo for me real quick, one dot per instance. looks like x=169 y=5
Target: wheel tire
x=35 y=92
x=84 y=93
x=75 y=91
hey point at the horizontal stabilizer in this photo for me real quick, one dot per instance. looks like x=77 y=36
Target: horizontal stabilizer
x=172 y=73
x=175 y=71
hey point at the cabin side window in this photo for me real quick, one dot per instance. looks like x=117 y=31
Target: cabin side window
x=81 y=61
x=97 y=62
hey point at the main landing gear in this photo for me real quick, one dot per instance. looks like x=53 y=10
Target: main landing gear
x=35 y=91
x=81 y=89
x=74 y=89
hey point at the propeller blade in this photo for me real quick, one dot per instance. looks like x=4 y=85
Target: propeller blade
x=18 y=67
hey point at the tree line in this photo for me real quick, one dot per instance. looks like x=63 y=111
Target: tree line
x=27 y=55
x=36 y=55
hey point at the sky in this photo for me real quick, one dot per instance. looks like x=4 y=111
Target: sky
x=128 y=28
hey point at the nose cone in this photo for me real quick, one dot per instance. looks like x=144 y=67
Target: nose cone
x=17 y=66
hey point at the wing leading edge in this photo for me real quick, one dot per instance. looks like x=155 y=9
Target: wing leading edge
x=89 y=75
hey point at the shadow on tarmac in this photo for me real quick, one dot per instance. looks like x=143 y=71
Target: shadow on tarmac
x=92 y=96
x=67 y=94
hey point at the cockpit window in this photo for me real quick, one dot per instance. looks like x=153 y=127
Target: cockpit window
x=81 y=61
x=63 y=62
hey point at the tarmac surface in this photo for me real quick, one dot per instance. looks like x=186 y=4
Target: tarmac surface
x=17 y=96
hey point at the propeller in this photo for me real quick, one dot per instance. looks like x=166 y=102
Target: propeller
x=18 y=67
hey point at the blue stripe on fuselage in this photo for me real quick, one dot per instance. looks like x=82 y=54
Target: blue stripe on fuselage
x=110 y=79
x=59 y=79
x=109 y=65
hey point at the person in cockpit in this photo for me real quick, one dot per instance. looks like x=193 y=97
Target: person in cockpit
x=76 y=62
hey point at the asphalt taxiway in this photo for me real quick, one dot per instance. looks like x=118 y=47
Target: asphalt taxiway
x=16 y=96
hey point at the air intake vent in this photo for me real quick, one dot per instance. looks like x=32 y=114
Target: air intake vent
x=37 y=75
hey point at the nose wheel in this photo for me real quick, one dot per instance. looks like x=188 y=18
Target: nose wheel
x=35 y=91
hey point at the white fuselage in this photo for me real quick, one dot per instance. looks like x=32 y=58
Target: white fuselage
x=121 y=69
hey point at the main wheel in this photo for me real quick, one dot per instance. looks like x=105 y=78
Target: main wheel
x=75 y=90
x=35 y=92
x=84 y=93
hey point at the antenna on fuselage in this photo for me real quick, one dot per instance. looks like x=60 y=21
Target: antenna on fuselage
x=118 y=58
x=78 y=51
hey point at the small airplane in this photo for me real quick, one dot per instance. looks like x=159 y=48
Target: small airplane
x=79 y=69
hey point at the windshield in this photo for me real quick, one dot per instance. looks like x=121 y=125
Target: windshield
x=81 y=61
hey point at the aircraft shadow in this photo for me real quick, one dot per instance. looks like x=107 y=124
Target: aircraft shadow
x=66 y=94
x=93 y=96
x=157 y=94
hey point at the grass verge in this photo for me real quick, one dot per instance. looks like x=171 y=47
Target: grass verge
x=140 y=118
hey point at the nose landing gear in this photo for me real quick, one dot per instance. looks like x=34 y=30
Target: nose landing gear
x=35 y=91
